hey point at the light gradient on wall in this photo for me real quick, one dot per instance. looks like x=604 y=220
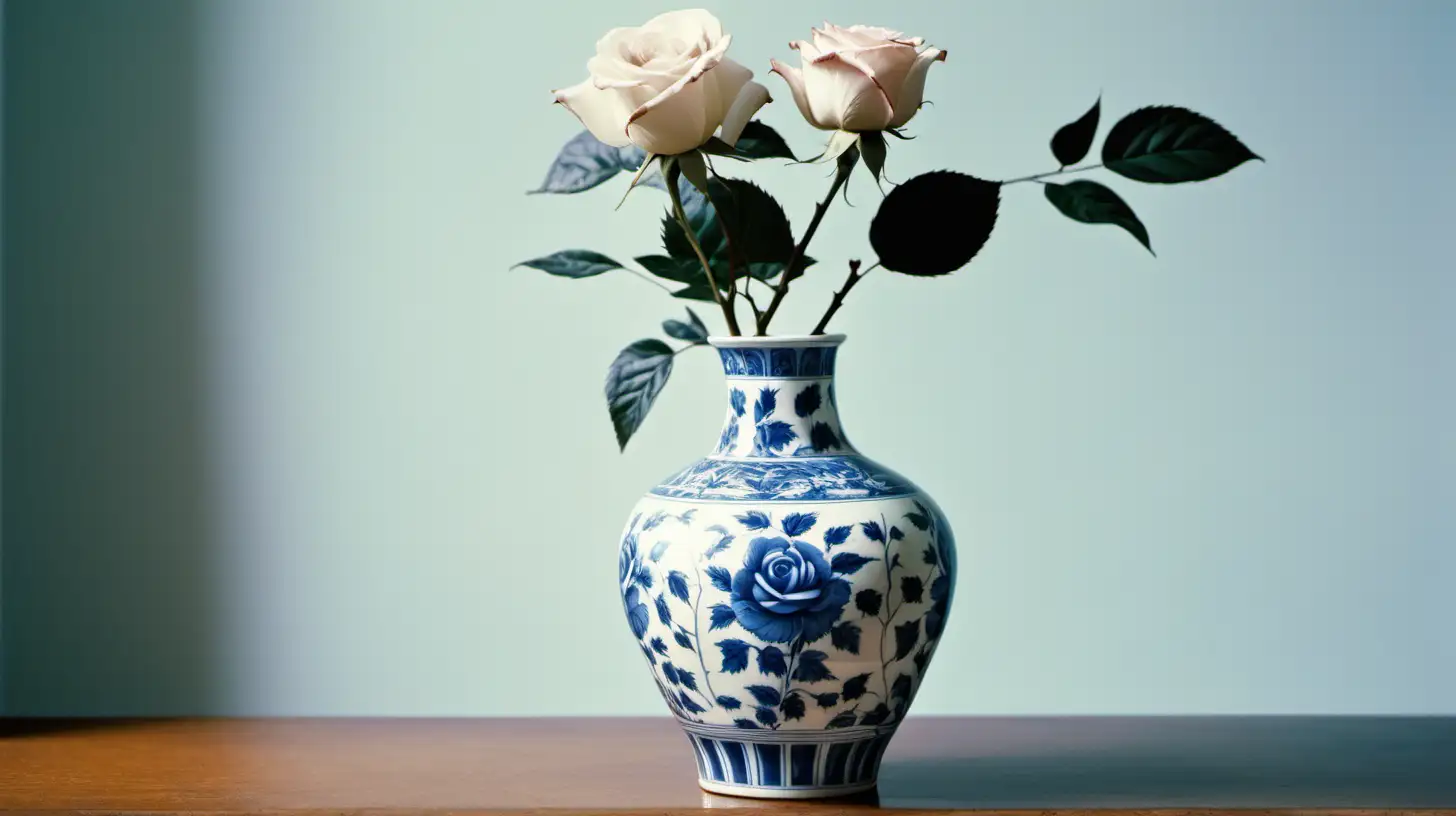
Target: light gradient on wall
x=285 y=434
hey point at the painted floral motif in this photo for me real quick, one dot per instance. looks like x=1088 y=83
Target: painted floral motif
x=787 y=591
x=816 y=479
x=811 y=361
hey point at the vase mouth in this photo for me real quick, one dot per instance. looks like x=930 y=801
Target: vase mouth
x=779 y=341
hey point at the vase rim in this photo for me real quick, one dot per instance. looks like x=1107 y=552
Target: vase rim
x=779 y=341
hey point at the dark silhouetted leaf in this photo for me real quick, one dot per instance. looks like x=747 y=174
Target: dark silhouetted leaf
x=1092 y=203
x=765 y=715
x=663 y=613
x=843 y=719
x=573 y=263
x=920 y=520
x=688 y=703
x=659 y=647
x=872 y=150
x=828 y=700
x=728 y=703
x=633 y=383
x=684 y=640
x=935 y=223
x=878 y=715
x=822 y=437
x=930 y=557
x=1169 y=145
x=759 y=141
x=1072 y=141
x=873 y=531
x=670 y=672
x=922 y=659
x=901 y=687
x=766 y=403
x=896 y=534
x=745 y=724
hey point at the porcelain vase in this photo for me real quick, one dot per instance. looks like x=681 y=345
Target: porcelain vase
x=787 y=591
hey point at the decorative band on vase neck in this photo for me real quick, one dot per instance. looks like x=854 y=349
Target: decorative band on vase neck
x=778 y=357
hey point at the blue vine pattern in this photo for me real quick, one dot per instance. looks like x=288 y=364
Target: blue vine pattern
x=817 y=479
x=799 y=595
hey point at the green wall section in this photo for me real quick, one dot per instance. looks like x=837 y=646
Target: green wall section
x=285 y=434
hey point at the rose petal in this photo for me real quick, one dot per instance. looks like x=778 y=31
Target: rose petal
x=912 y=93
x=751 y=97
x=844 y=97
x=688 y=25
x=605 y=113
x=795 y=79
x=888 y=64
x=677 y=119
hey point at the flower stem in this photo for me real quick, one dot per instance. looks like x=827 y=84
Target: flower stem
x=673 y=173
x=794 y=268
x=1051 y=173
x=849 y=282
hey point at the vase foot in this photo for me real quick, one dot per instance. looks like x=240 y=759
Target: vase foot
x=783 y=764
x=761 y=792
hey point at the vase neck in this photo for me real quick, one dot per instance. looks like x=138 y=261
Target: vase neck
x=781 y=401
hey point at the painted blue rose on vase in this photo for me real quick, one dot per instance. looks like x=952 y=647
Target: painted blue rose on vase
x=787 y=591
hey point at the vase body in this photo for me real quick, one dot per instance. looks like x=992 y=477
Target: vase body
x=787 y=592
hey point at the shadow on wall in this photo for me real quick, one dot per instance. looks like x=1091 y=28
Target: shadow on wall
x=107 y=567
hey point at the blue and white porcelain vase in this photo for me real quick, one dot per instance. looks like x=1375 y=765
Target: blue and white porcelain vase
x=787 y=591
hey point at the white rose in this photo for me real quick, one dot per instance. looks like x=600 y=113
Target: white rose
x=665 y=87
x=859 y=78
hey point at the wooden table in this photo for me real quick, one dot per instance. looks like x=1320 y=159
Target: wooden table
x=644 y=766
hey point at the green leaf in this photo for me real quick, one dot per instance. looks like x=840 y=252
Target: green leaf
x=698 y=291
x=935 y=223
x=573 y=263
x=694 y=169
x=693 y=331
x=584 y=162
x=673 y=269
x=633 y=383
x=758 y=231
x=1072 y=141
x=872 y=150
x=759 y=141
x=1169 y=145
x=1092 y=203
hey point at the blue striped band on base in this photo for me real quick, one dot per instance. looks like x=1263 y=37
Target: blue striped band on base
x=827 y=762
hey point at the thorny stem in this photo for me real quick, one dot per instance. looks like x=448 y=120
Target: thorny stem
x=849 y=282
x=673 y=173
x=794 y=268
x=1052 y=173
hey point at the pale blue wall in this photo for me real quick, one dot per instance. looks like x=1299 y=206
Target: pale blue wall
x=285 y=435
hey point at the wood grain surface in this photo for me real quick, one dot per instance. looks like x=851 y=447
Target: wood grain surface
x=1169 y=764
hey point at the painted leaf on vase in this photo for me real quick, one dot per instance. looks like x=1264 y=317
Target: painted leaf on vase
x=868 y=602
x=901 y=688
x=822 y=437
x=848 y=563
x=793 y=707
x=843 y=719
x=807 y=401
x=810 y=667
x=766 y=715
x=684 y=640
x=855 y=687
x=720 y=616
x=875 y=716
x=677 y=584
x=687 y=679
x=663 y=613
x=907 y=635
x=845 y=636
x=670 y=672
x=797 y=524
x=827 y=700
x=912 y=589
x=720 y=577
x=689 y=704
x=771 y=661
x=729 y=703
x=873 y=531
x=735 y=655
x=637 y=615
x=745 y=724
x=837 y=535
x=755 y=520
x=765 y=695
x=764 y=406
x=772 y=437
x=659 y=647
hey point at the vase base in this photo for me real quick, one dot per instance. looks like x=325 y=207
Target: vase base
x=761 y=792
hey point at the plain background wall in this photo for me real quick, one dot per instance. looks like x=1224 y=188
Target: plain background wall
x=284 y=433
